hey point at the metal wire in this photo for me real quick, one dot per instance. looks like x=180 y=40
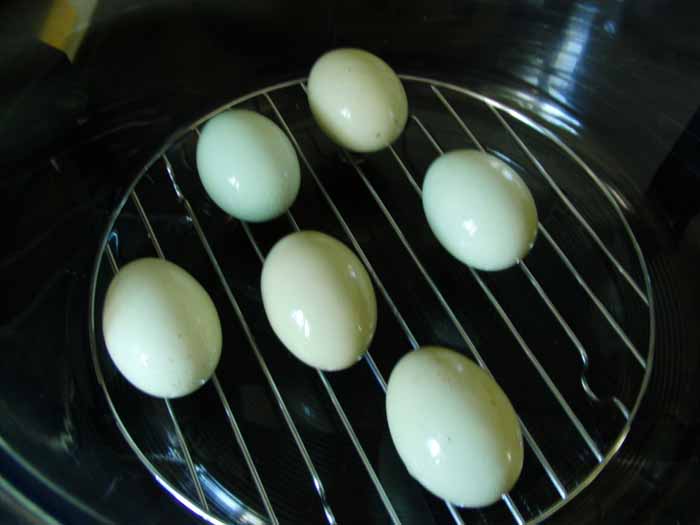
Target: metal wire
x=341 y=412
x=373 y=274
x=616 y=264
x=173 y=418
x=453 y=318
x=248 y=458
x=509 y=323
x=599 y=304
x=317 y=483
x=541 y=227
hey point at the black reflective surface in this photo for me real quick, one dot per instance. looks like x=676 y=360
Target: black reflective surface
x=619 y=80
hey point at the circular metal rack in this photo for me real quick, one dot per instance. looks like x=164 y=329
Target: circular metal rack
x=605 y=277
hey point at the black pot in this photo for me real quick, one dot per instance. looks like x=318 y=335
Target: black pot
x=94 y=98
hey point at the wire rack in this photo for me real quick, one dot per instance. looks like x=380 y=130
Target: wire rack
x=449 y=106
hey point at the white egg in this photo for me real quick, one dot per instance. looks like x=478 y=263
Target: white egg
x=247 y=165
x=480 y=210
x=319 y=300
x=161 y=328
x=453 y=427
x=357 y=99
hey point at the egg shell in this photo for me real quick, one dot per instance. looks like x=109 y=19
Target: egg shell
x=479 y=209
x=319 y=300
x=161 y=328
x=357 y=99
x=247 y=165
x=453 y=427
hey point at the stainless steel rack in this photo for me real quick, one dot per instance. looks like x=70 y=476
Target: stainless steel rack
x=502 y=114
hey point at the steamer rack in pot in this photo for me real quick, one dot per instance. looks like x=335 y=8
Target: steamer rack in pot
x=568 y=333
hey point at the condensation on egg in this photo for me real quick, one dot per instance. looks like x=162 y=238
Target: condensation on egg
x=357 y=99
x=161 y=328
x=248 y=166
x=479 y=209
x=453 y=427
x=319 y=300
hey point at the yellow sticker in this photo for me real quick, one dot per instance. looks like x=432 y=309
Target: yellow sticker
x=59 y=24
x=66 y=23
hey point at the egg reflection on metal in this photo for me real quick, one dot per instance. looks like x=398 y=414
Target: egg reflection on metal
x=319 y=300
x=357 y=100
x=247 y=165
x=479 y=209
x=453 y=427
